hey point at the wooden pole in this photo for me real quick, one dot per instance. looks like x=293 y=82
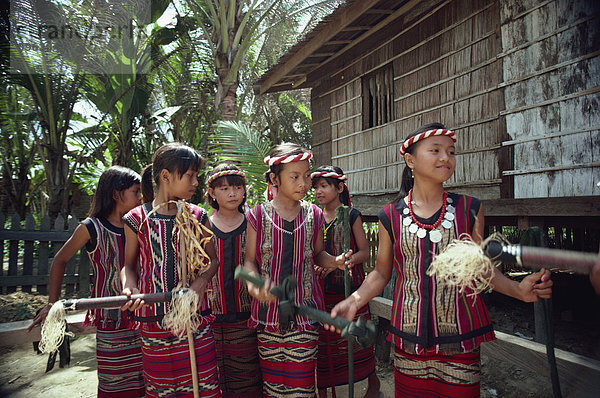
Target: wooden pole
x=190 y=337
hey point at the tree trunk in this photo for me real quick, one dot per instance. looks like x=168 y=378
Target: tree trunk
x=228 y=103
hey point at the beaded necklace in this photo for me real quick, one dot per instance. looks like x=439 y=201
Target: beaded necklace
x=326 y=229
x=415 y=226
x=285 y=230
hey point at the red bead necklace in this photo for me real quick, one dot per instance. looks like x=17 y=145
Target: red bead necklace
x=419 y=223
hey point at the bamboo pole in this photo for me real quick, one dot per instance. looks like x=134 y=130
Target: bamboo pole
x=190 y=337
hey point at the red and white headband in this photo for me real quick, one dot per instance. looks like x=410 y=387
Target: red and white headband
x=328 y=174
x=225 y=173
x=271 y=161
x=426 y=134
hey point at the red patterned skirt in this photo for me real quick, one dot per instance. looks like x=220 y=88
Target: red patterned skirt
x=237 y=358
x=120 y=371
x=437 y=375
x=167 y=364
x=288 y=363
x=332 y=357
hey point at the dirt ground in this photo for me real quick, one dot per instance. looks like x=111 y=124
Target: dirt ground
x=22 y=370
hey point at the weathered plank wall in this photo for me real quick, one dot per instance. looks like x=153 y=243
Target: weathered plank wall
x=551 y=68
x=443 y=56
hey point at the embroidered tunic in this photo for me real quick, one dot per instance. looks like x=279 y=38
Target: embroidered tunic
x=158 y=261
x=280 y=254
x=334 y=244
x=229 y=298
x=106 y=250
x=428 y=313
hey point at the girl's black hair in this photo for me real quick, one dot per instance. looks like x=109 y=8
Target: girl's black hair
x=344 y=195
x=283 y=149
x=115 y=178
x=176 y=158
x=407 y=179
x=230 y=180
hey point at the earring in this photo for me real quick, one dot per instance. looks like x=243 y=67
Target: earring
x=412 y=174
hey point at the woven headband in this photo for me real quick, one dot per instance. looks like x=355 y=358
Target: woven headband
x=328 y=174
x=271 y=161
x=225 y=173
x=426 y=134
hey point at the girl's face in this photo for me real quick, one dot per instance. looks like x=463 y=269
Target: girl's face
x=327 y=193
x=433 y=158
x=181 y=187
x=228 y=197
x=294 y=180
x=129 y=198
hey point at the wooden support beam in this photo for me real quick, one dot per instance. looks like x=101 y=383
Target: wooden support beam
x=379 y=11
x=345 y=18
x=13 y=333
x=337 y=42
x=355 y=28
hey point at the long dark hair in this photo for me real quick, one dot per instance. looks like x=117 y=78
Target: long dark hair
x=233 y=180
x=407 y=179
x=283 y=149
x=115 y=178
x=344 y=195
x=176 y=158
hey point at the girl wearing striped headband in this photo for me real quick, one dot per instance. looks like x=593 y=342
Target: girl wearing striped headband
x=332 y=357
x=239 y=370
x=435 y=327
x=285 y=238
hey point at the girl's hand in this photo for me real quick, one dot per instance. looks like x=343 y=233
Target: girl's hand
x=346 y=309
x=536 y=285
x=262 y=294
x=132 y=305
x=344 y=260
x=323 y=272
x=40 y=317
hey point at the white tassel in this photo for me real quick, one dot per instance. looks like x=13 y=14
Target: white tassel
x=53 y=329
x=183 y=312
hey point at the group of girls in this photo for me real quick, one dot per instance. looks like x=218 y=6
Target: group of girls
x=242 y=347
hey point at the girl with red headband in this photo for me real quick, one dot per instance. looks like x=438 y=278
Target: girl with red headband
x=331 y=191
x=436 y=329
x=237 y=350
x=285 y=238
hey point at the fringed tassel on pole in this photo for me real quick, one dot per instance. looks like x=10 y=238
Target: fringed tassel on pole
x=182 y=312
x=54 y=330
x=464 y=264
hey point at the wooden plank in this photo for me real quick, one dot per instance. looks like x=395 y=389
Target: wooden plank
x=585 y=206
x=2 y=222
x=43 y=255
x=51 y=236
x=329 y=31
x=13 y=251
x=28 y=252
x=72 y=263
x=13 y=333
x=19 y=280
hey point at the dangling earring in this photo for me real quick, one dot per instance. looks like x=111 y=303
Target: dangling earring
x=412 y=174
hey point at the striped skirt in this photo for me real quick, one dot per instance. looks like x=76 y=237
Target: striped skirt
x=167 y=364
x=119 y=358
x=437 y=375
x=288 y=363
x=332 y=357
x=237 y=358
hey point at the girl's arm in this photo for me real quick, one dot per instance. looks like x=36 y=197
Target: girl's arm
x=79 y=238
x=362 y=255
x=250 y=266
x=129 y=277
x=326 y=260
x=199 y=284
x=532 y=287
x=373 y=284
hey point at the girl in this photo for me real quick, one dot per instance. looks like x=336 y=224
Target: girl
x=332 y=358
x=118 y=349
x=237 y=350
x=286 y=238
x=435 y=329
x=149 y=253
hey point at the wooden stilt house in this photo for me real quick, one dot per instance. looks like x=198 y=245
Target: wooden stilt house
x=518 y=81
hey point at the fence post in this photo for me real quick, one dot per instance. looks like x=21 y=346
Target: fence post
x=28 y=252
x=13 y=251
x=2 y=226
x=59 y=225
x=84 y=274
x=70 y=270
x=43 y=255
